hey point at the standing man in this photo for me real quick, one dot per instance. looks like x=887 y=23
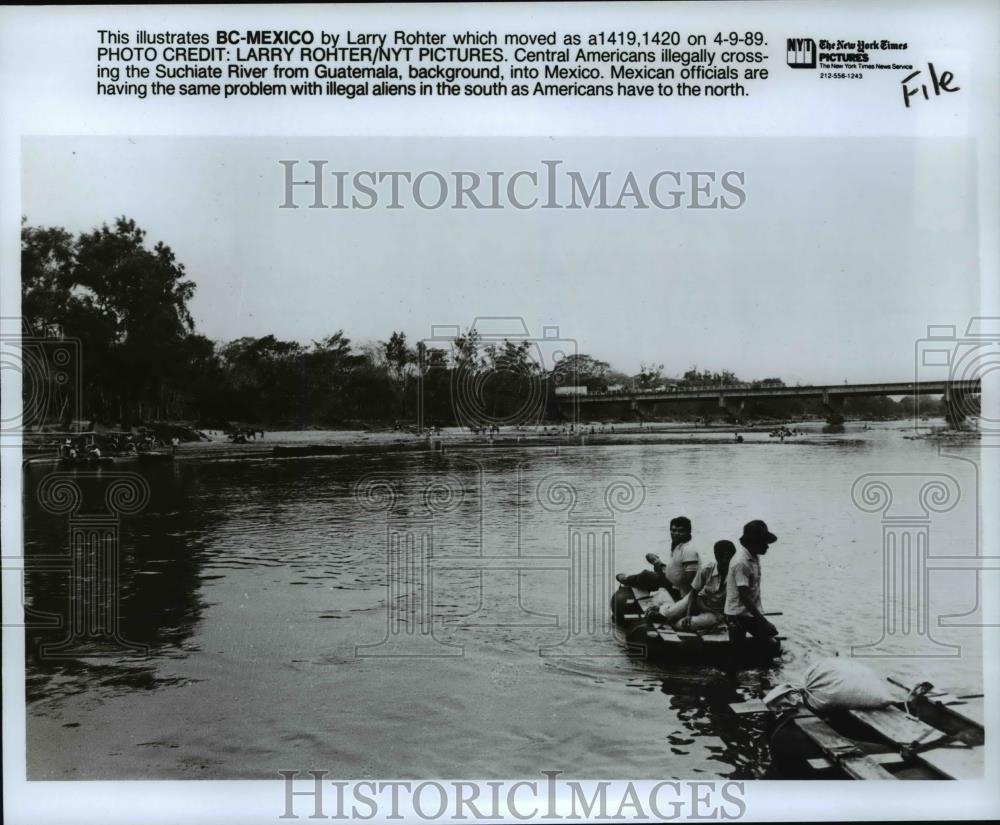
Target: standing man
x=744 y=612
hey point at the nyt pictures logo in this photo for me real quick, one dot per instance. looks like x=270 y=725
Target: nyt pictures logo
x=801 y=52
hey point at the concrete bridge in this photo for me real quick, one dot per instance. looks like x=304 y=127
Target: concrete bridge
x=732 y=398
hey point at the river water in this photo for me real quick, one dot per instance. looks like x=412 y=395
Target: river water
x=259 y=586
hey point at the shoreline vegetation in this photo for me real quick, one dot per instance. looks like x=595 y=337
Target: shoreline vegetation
x=120 y=307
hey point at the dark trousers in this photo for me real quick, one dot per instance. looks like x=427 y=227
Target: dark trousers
x=650 y=580
x=758 y=629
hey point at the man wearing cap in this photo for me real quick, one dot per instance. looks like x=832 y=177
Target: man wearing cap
x=743 y=607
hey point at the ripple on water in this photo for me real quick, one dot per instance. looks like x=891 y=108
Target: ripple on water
x=255 y=585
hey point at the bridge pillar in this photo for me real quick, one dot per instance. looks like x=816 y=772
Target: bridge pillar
x=733 y=408
x=834 y=405
x=955 y=406
x=641 y=410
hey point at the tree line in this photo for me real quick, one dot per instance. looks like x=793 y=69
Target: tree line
x=126 y=302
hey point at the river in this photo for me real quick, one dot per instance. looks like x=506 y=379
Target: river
x=256 y=583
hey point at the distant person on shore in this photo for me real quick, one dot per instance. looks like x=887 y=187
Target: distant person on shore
x=675 y=575
x=744 y=612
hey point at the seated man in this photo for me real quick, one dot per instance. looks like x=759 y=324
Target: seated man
x=705 y=604
x=684 y=561
x=649 y=580
x=675 y=575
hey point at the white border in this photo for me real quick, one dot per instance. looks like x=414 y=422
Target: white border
x=46 y=89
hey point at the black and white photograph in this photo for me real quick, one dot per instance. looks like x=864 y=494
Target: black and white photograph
x=558 y=475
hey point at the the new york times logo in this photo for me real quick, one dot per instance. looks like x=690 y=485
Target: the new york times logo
x=801 y=52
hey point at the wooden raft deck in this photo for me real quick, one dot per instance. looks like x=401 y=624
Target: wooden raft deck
x=943 y=739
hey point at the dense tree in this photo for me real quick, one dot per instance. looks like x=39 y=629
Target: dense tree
x=583 y=370
x=127 y=304
x=694 y=378
x=649 y=377
x=47 y=257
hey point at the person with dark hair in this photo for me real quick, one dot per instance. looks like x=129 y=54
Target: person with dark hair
x=673 y=576
x=684 y=561
x=705 y=605
x=744 y=612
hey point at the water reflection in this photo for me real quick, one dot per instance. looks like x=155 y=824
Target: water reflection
x=160 y=573
x=253 y=582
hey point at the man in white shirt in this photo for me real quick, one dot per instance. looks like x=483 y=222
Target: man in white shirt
x=677 y=573
x=683 y=564
x=706 y=603
x=744 y=611
x=674 y=575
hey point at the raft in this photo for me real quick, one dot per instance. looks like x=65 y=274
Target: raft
x=924 y=735
x=657 y=641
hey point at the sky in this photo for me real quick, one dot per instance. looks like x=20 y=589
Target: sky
x=844 y=253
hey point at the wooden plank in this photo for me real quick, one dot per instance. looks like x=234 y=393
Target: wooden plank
x=841 y=750
x=895 y=725
x=950 y=760
x=750 y=706
x=958 y=702
x=970 y=710
x=886 y=760
x=692 y=641
x=955 y=762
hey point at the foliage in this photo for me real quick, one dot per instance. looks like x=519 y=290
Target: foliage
x=127 y=303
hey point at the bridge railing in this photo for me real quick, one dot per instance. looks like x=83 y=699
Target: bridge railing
x=815 y=390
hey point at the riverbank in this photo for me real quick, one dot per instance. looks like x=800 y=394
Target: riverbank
x=315 y=443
